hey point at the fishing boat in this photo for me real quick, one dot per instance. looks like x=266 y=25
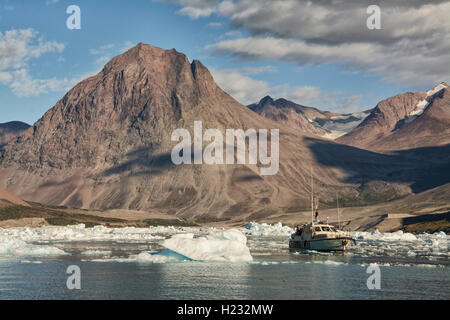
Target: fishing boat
x=317 y=235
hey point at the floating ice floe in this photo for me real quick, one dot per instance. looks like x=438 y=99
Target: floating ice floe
x=227 y=245
x=81 y=233
x=94 y=252
x=388 y=236
x=206 y=243
x=12 y=246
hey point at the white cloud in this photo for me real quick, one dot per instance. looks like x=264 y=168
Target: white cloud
x=307 y=95
x=23 y=85
x=196 y=13
x=258 y=70
x=17 y=49
x=5 y=77
x=335 y=101
x=243 y=88
x=231 y=34
x=195 y=9
x=397 y=63
x=412 y=47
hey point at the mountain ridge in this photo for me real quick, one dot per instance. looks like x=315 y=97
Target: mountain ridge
x=107 y=144
x=310 y=120
x=393 y=117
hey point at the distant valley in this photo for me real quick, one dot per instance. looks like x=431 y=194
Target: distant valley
x=309 y=120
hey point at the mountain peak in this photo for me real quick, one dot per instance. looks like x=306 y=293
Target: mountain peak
x=146 y=55
x=266 y=100
x=147 y=48
x=153 y=60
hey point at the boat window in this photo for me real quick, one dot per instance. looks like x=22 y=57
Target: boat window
x=333 y=229
x=317 y=229
x=326 y=228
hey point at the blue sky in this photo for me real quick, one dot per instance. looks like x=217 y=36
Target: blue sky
x=50 y=58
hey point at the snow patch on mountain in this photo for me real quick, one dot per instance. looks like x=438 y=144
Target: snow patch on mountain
x=436 y=89
x=423 y=104
x=337 y=126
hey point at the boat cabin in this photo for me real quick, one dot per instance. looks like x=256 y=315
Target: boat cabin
x=317 y=231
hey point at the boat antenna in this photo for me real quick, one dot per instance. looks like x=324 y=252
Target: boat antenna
x=312 y=197
x=337 y=204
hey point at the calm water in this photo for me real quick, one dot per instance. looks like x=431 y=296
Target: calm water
x=108 y=272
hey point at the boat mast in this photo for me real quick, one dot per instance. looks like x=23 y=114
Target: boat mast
x=312 y=198
x=339 y=220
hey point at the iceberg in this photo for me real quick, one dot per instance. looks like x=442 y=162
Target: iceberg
x=226 y=245
x=164 y=256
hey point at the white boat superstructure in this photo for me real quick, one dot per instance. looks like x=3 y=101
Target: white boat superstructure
x=320 y=237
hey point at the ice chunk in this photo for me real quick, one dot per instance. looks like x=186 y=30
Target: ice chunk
x=228 y=245
x=164 y=256
x=93 y=252
x=388 y=236
x=80 y=232
x=264 y=229
x=12 y=246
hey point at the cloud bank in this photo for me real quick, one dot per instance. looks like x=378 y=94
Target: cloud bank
x=17 y=49
x=412 y=47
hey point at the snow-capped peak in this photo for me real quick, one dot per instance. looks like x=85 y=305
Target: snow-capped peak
x=423 y=104
x=436 y=89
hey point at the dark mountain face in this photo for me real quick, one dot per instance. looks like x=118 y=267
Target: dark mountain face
x=290 y=114
x=9 y=130
x=107 y=144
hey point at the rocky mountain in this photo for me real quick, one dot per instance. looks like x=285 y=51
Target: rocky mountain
x=107 y=144
x=288 y=113
x=9 y=130
x=309 y=120
x=405 y=121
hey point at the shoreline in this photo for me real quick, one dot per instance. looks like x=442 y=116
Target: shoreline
x=352 y=219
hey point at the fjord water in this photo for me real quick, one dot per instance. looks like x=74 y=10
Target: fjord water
x=114 y=264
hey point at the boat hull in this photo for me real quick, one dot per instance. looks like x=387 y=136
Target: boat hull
x=334 y=244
